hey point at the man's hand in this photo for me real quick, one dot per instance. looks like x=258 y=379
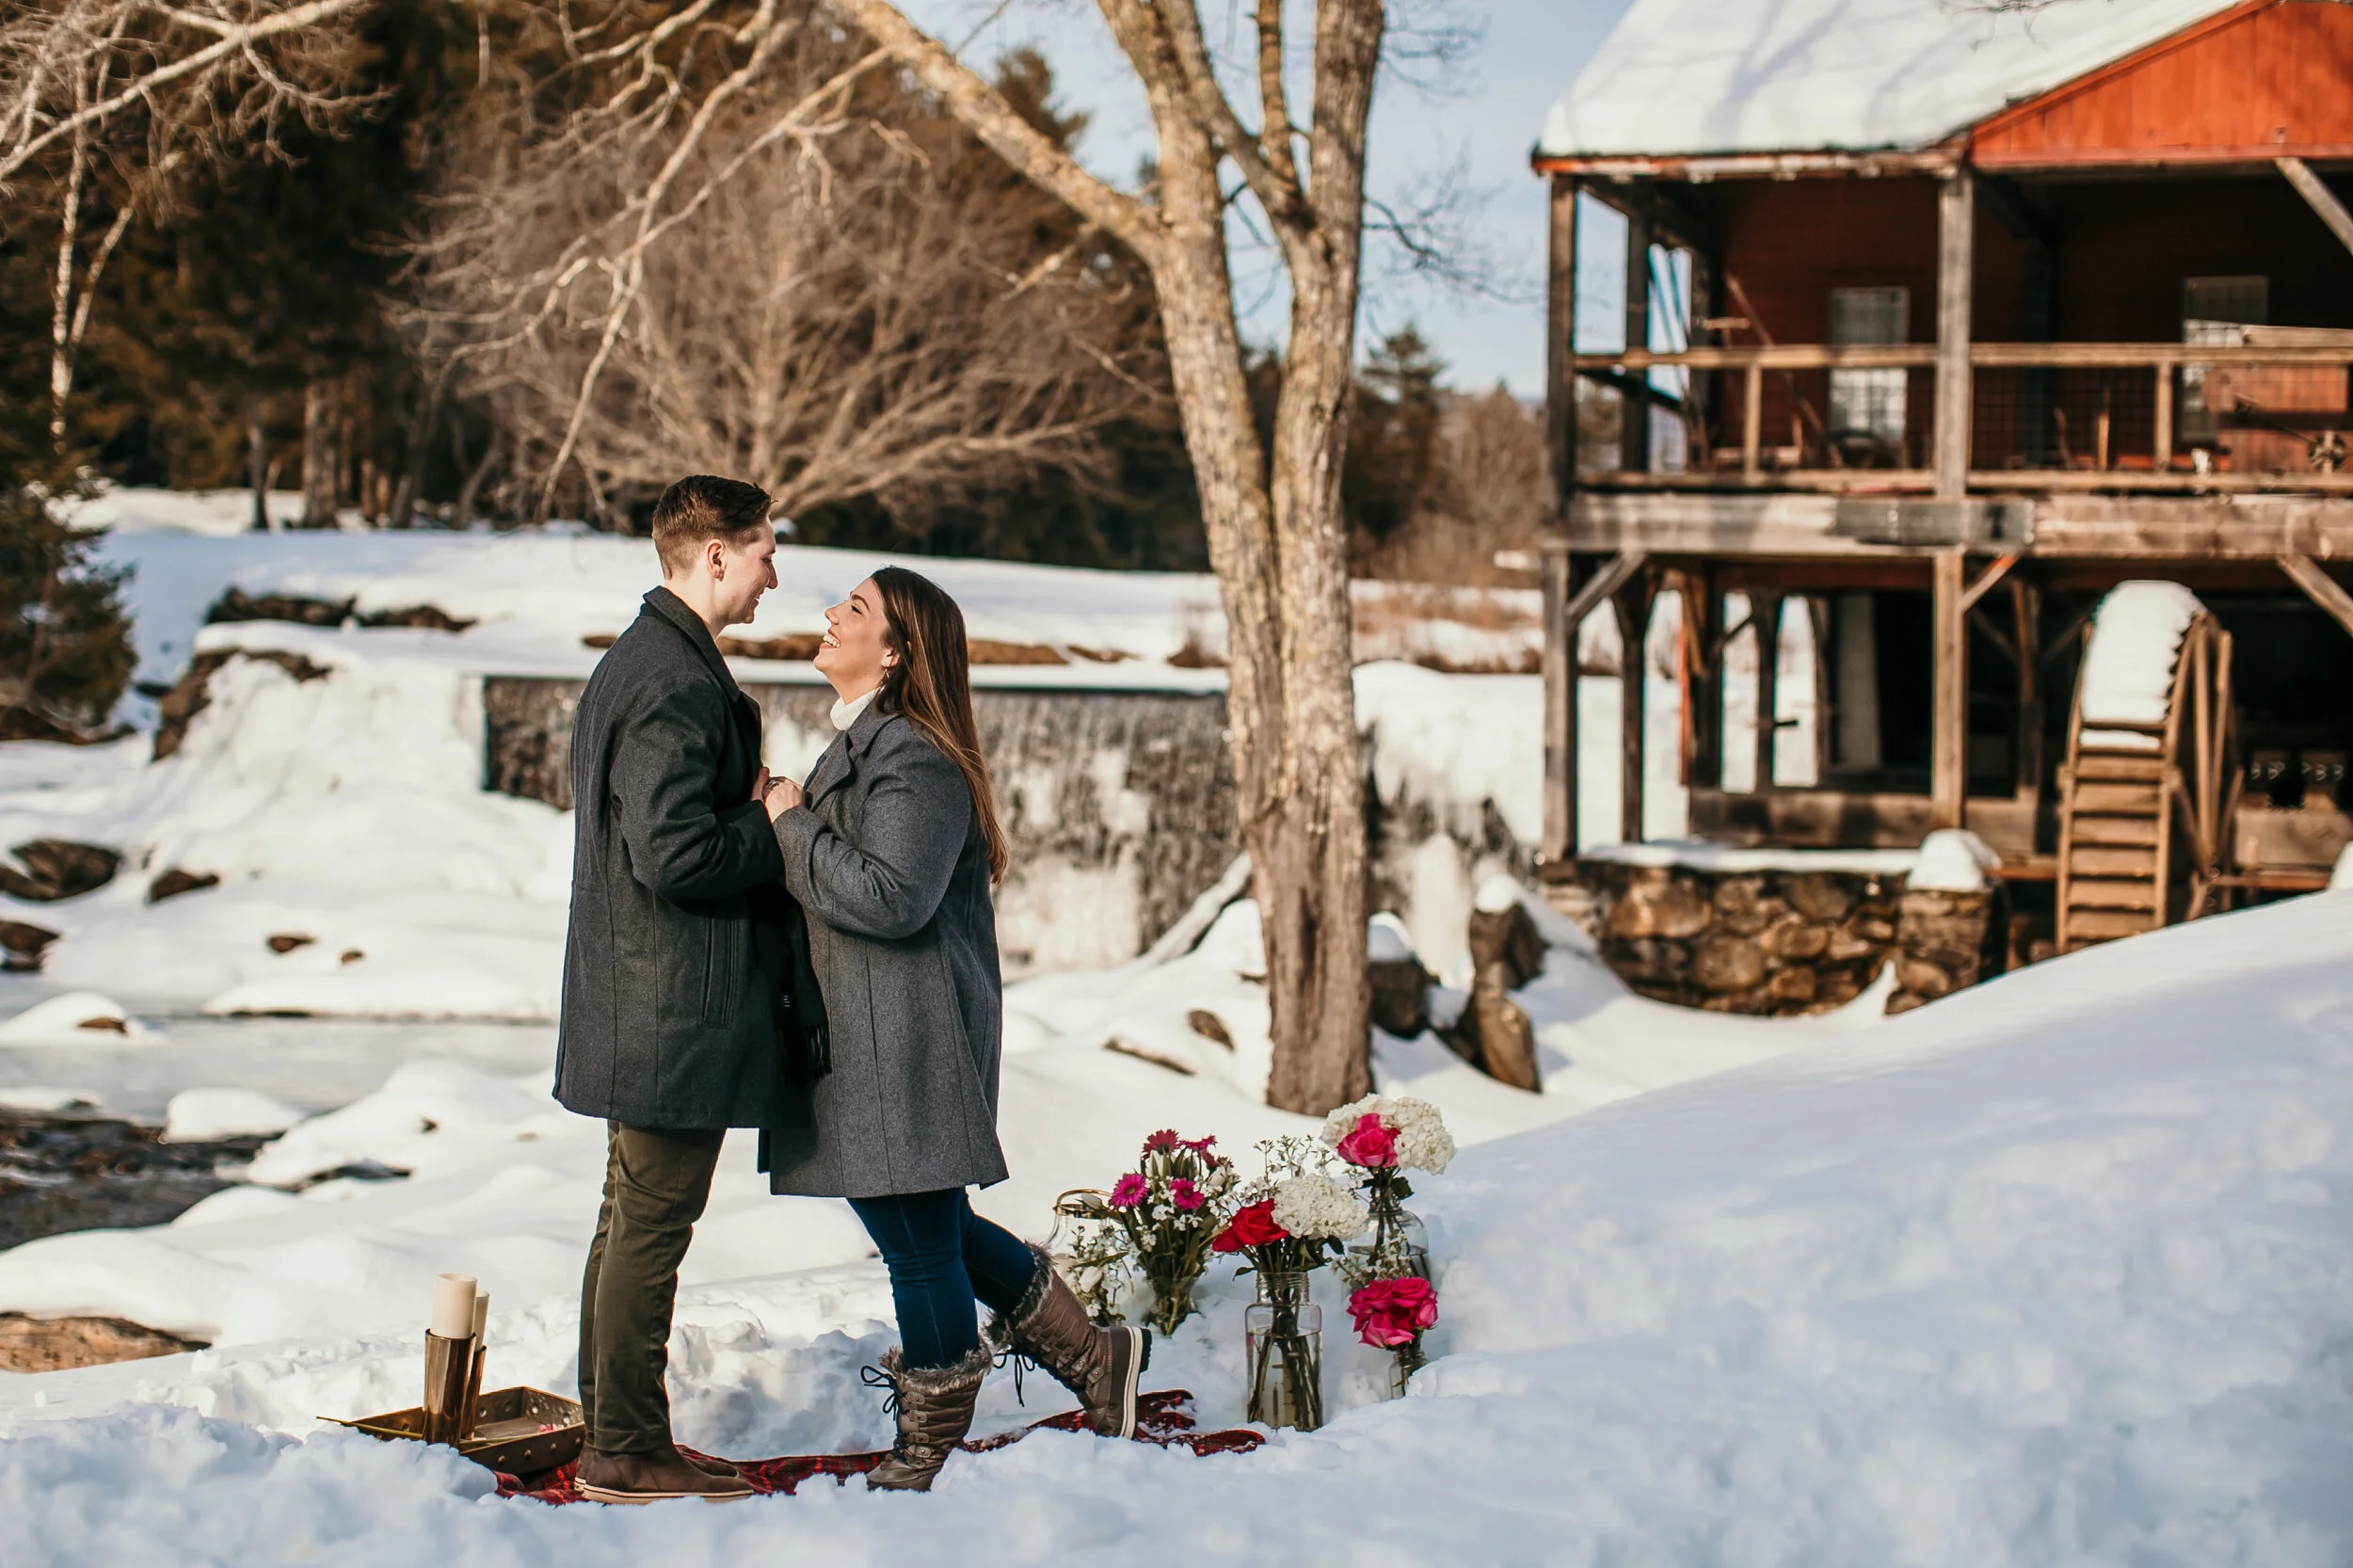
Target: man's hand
x=760 y=785
x=781 y=796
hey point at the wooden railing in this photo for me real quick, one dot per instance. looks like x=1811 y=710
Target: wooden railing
x=2085 y=416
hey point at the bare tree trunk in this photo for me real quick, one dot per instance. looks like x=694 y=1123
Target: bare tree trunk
x=421 y=423
x=61 y=311
x=257 y=462
x=1275 y=532
x=319 y=456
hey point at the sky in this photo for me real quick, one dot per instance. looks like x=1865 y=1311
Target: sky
x=1464 y=124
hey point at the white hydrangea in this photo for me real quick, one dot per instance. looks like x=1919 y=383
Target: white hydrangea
x=1423 y=1143
x=1317 y=1209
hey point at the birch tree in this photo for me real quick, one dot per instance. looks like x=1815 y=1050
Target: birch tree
x=101 y=102
x=1276 y=532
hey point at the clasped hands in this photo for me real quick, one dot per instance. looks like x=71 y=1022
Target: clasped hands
x=778 y=794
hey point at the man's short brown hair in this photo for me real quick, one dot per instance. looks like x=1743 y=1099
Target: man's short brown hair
x=699 y=508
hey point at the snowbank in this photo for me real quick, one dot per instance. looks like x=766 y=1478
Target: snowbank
x=1737 y=76
x=76 y=1018
x=201 y=1115
x=2055 y=1270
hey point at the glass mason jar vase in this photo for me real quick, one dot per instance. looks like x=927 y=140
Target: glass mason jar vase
x=1283 y=1336
x=1394 y=1245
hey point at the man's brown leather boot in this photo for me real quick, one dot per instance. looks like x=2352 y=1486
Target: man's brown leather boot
x=1102 y=1366
x=652 y=1478
x=935 y=1412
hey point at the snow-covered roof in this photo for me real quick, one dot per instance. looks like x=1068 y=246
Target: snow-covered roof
x=1717 y=76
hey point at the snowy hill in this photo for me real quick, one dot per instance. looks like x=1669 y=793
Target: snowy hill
x=2059 y=1271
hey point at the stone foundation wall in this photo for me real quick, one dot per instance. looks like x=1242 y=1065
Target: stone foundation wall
x=1786 y=942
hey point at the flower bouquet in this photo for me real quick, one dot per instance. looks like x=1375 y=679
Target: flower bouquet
x=1168 y=1209
x=1381 y=1138
x=1295 y=1215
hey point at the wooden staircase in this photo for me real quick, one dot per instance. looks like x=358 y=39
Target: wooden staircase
x=2143 y=807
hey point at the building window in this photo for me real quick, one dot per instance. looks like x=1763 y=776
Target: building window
x=2214 y=311
x=1866 y=406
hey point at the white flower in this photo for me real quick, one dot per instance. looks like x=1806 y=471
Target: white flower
x=1317 y=1209
x=1423 y=1143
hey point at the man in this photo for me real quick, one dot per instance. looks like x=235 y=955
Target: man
x=676 y=967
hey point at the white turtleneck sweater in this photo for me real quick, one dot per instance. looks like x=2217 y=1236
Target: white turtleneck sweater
x=845 y=714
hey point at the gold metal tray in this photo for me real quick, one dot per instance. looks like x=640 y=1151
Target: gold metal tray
x=519 y=1430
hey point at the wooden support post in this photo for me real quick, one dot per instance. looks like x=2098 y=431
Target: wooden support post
x=1956 y=208
x=1560 y=570
x=2321 y=589
x=1634 y=428
x=2323 y=200
x=1704 y=693
x=1633 y=605
x=2027 y=605
x=1561 y=347
x=1765 y=627
x=1752 y=420
x=1948 y=758
x=2162 y=443
x=1818 y=610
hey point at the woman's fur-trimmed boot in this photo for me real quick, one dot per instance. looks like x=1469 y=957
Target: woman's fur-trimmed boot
x=934 y=1409
x=1102 y=1366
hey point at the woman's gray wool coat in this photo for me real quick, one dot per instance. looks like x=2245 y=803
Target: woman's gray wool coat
x=886 y=858
x=676 y=960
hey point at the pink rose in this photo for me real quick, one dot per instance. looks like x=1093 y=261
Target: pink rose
x=1130 y=1191
x=1184 y=1194
x=1369 y=1145
x=1390 y=1312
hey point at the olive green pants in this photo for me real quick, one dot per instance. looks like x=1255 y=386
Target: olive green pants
x=656 y=1182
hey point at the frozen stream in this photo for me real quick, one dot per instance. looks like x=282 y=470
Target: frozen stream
x=311 y=1064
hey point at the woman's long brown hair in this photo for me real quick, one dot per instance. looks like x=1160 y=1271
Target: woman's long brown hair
x=931 y=685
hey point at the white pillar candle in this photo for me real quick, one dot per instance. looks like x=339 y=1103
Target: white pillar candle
x=453 y=1306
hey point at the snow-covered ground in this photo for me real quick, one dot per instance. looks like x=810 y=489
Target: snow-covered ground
x=2056 y=1271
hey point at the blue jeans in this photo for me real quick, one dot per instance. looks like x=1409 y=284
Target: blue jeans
x=941 y=1255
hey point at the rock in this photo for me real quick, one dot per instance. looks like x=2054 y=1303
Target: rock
x=1507 y=937
x=1873 y=928
x=59 y=1344
x=1723 y=964
x=1736 y=893
x=1904 y=1002
x=1652 y=958
x=1922 y=979
x=1791 y=938
x=1118 y=1047
x=1844 y=945
x=1750 y=919
x=25 y=943
x=429 y=618
x=286 y=941
x=1399 y=987
x=1791 y=985
x=1659 y=908
x=1209 y=1027
x=18 y=723
x=177 y=881
x=351 y=955
x=1818 y=896
x=799 y=646
x=105 y=1025
x=58 y=869
x=237 y=605
x=1507 y=1040
x=193 y=692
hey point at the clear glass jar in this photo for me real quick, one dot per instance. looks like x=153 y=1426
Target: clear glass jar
x=1283 y=1337
x=1394 y=1245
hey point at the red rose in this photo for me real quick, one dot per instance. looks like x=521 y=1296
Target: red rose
x=1369 y=1145
x=1389 y=1312
x=1253 y=1225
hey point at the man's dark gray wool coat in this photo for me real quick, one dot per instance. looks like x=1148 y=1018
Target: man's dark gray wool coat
x=676 y=965
x=888 y=861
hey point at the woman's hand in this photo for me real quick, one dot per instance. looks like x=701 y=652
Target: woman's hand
x=783 y=794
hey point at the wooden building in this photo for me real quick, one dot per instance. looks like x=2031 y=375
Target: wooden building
x=1986 y=315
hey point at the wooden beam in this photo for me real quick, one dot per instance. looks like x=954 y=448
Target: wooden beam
x=1558 y=569
x=1948 y=761
x=1912 y=356
x=1956 y=208
x=1633 y=605
x=2321 y=589
x=1607 y=581
x=2026 y=604
x=1703 y=688
x=1560 y=344
x=1986 y=579
x=1634 y=418
x=2316 y=190
x=1765 y=615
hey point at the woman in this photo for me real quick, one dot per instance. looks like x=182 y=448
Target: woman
x=891 y=849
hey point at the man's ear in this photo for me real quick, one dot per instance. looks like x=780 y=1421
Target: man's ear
x=715 y=556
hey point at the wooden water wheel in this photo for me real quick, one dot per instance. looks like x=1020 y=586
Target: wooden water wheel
x=2145 y=805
